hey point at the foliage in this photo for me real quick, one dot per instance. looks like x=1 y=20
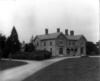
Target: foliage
x=36 y=55
x=2 y=44
x=91 y=48
x=15 y=41
x=8 y=47
x=12 y=44
x=29 y=47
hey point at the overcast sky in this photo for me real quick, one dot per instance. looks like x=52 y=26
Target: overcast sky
x=31 y=17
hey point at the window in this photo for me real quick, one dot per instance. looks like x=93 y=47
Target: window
x=44 y=43
x=50 y=43
x=71 y=49
x=82 y=43
x=37 y=44
x=69 y=43
x=73 y=42
x=60 y=41
x=68 y=50
x=75 y=50
x=51 y=50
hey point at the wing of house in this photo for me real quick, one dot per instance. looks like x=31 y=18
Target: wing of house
x=61 y=44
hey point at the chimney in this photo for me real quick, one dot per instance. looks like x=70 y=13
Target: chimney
x=66 y=31
x=46 y=31
x=72 y=32
x=58 y=30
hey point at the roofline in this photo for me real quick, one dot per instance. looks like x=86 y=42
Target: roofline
x=48 y=39
x=83 y=37
x=63 y=35
x=35 y=38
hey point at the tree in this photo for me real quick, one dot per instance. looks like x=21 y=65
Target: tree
x=8 y=47
x=12 y=43
x=91 y=48
x=15 y=41
x=2 y=44
x=29 y=47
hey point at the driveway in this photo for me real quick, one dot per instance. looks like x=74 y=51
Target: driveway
x=22 y=72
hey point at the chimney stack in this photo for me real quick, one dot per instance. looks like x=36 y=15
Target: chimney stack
x=71 y=32
x=66 y=31
x=46 y=31
x=58 y=30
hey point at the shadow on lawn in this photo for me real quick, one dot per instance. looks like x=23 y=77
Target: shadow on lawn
x=7 y=64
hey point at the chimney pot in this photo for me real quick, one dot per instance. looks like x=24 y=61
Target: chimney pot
x=71 y=32
x=66 y=31
x=46 y=31
x=58 y=30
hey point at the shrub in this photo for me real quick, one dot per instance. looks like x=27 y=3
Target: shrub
x=36 y=55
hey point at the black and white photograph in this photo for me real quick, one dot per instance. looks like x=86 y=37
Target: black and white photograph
x=49 y=40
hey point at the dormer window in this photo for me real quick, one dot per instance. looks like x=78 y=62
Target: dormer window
x=60 y=41
x=82 y=44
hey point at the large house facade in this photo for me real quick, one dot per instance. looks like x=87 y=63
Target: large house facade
x=61 y=44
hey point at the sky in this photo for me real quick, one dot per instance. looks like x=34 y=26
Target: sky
x=31 y=17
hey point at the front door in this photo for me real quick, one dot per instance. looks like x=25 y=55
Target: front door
x=61 y=50
x=82 y=49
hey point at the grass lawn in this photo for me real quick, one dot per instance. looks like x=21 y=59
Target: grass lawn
x=73 y=69
x=6 y=64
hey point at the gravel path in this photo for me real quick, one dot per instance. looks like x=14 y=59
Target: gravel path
x=22 y=72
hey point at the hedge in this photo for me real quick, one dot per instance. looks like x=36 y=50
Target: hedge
x=36 y=55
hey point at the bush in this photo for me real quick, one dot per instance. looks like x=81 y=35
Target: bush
x=36 y=55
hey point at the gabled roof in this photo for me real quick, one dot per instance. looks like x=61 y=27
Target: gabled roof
x=48 y=36
x=55 y=35
x=74 y=37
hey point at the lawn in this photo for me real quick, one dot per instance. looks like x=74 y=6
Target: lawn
x=6 y=64
x=73 y=69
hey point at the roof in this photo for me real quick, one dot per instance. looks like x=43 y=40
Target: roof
x=74 y=37
x=55 y=35
x=49 y=36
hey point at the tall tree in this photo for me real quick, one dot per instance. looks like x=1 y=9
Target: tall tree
x=15 y=41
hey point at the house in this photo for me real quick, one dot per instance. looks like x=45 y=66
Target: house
x=61 y=44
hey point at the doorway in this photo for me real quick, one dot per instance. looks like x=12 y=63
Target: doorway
x=60 y=50
x=82 y=50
